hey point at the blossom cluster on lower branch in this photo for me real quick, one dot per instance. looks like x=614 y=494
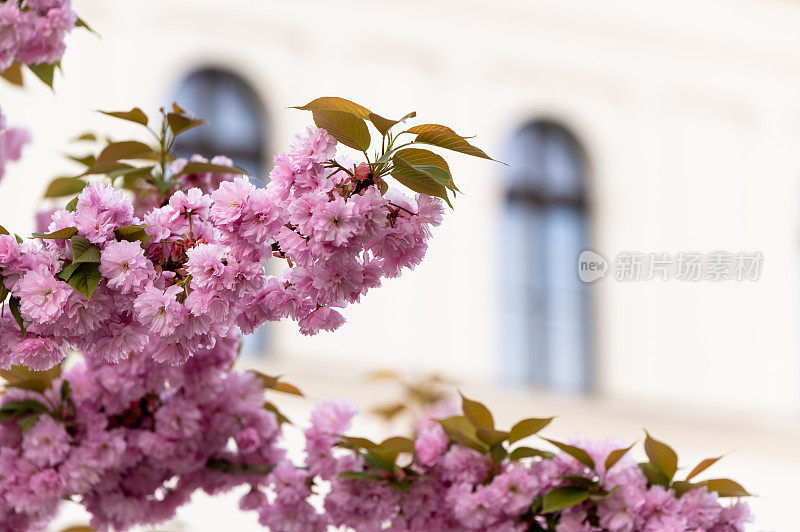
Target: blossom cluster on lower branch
x=131 y=442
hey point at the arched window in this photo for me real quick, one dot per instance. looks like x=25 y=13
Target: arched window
x=235 y=115
x=546 y=314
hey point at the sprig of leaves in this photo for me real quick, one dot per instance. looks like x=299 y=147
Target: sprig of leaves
x=136 y=164
x=419 y=169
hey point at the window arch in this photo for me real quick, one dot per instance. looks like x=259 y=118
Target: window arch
x=546 y=329
x=235 y=115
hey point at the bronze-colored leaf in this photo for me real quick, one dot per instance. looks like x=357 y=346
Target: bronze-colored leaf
x=134 y=115
x=333 y=103
x=197 y=167
x=64 y=186
x=702 y=466
x=444 y=137
x=27 y=379
x=13 y=74
x=661 y=455
x=527 y=427
x=67 y=232
x=576 y=452
x=529 y=452
x=459 y=430
x=491 y=437
x=725 y=487
x=109 y=159
x=179 y=123
x=616 y=455
x=477 y=413
x=345 y=127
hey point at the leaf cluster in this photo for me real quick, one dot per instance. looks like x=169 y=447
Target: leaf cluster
x=419 y=169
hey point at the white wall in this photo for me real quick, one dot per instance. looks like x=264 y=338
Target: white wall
x=689 y=112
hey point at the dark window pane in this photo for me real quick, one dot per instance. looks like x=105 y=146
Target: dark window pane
x=235 y=116
x=544 y=231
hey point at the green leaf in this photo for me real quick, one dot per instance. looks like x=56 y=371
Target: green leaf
x=477 y=413
x=179 y=123
x=72 y=206
x=702 y=466
x=80 y=23
x=27 y=422
x=615 y=456
x=66 y=390
x=563 y=497
x=459 y=430
x=4 y=231
x=529 y=452
x=577 y=453
x=661 y=455
x=348 y=129
x=64 y=186
x=360 y=474
x=527 y=427
x=45 y=72
x=196 y=167
x=19 y=409
x=602 y=495
x=3 y=290
x=444 y=137
x=417 y=179
x=654 y=475
x=431 y=163
x=13 y=74
x=681 y=487
x=83 y=250
x=132 y=233
x=134 y=115
x=86 y=278
x=13 y=306
x=491 y=436
x=577 y=480
x=378 y=461
x=497 y=452
x=725 y=487
x=65 y=233
x=67 y=271
x=333 y=103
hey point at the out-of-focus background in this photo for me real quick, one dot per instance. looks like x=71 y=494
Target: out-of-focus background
x=628 y=126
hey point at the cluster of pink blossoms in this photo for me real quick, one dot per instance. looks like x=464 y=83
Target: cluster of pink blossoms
x=198 y=270
x=12 y=139
x=451 y=487
x=32 y=32
x=132 y=441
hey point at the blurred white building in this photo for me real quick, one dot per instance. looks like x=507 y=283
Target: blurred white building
x=628 y=126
